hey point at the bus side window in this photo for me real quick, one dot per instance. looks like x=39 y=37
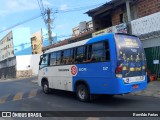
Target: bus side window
x=99 y=51
x=62 y=57
x=58 y=58
x=53 y=58
x=80 y=54
x=72 y=56
x=89 y=57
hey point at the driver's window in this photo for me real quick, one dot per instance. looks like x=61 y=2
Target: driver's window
x=44 y=61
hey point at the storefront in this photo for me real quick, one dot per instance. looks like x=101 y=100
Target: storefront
x=151 y=44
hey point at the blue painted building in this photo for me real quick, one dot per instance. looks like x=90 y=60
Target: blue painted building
x=21 y=41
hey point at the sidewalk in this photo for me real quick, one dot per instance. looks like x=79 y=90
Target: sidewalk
x=16 y=79
x=153 y=89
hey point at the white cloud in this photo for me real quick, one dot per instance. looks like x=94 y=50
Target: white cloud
x=12 y=6
x=46 y=3
x=20 y=5
x=63 y=7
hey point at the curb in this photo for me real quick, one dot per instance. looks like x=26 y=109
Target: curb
x=152 y=90
x=16 y=79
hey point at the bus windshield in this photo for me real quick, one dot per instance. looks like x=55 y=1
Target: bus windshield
x=130 y=55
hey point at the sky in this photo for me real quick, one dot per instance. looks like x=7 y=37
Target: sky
x=13 y=12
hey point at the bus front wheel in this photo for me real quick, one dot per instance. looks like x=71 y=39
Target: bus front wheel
x=45 y=87
x=82 y=93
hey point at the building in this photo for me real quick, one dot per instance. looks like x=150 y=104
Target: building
x=36 y=43
x=139 y=17
x=12 y=46
x=6 y=47
x=82 y=28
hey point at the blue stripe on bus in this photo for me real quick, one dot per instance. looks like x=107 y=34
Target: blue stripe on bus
x=101 y=81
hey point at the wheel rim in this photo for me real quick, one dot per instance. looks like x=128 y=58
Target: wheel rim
x=45 y=88
x=82 y=93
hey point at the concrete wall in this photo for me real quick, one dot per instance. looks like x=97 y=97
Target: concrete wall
x=9 y=72
x=29 y=63
x=35 y=63
x=146 y=24
x=8 y=68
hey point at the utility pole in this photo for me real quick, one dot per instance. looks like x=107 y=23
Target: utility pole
x=49 y=21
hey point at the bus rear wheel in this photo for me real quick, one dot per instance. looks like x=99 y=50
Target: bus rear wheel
x=45 y=87
x=82 y=93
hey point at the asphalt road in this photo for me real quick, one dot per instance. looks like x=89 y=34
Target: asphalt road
x=24 y=95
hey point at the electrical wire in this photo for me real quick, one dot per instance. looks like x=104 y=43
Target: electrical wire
x=25 y=21
x=41 y=7
x=56 y=11
x=77 y=9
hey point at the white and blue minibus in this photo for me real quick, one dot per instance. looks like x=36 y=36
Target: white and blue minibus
x=111 y=64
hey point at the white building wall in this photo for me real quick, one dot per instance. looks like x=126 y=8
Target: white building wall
x=34 y=62
x=23 y=62
x=151 y=42
x=146 y=24
x=28 y=62
x=6 y=47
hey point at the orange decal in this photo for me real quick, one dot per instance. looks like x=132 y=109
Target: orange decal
x=74 y=70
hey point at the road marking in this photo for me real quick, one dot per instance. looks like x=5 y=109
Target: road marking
x=18 y=96
x=3 y=99
x=33 y=93
x=10 y=97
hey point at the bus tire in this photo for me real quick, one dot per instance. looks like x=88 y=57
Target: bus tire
x=45 y=87
x=82 y=93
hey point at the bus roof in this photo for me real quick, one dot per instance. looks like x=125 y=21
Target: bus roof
x=71 y=45
x=83 y=42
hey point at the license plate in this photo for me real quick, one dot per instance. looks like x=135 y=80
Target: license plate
x=135 y=86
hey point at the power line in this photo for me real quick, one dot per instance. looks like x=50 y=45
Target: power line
x=27 y=43
x=77 y=9
x=42 y=10
x=25 y=21
x=42 y=6
x=56 y=11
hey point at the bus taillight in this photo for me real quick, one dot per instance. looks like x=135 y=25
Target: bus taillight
x=118 y=71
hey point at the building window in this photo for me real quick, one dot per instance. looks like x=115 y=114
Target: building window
x=33 y=38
